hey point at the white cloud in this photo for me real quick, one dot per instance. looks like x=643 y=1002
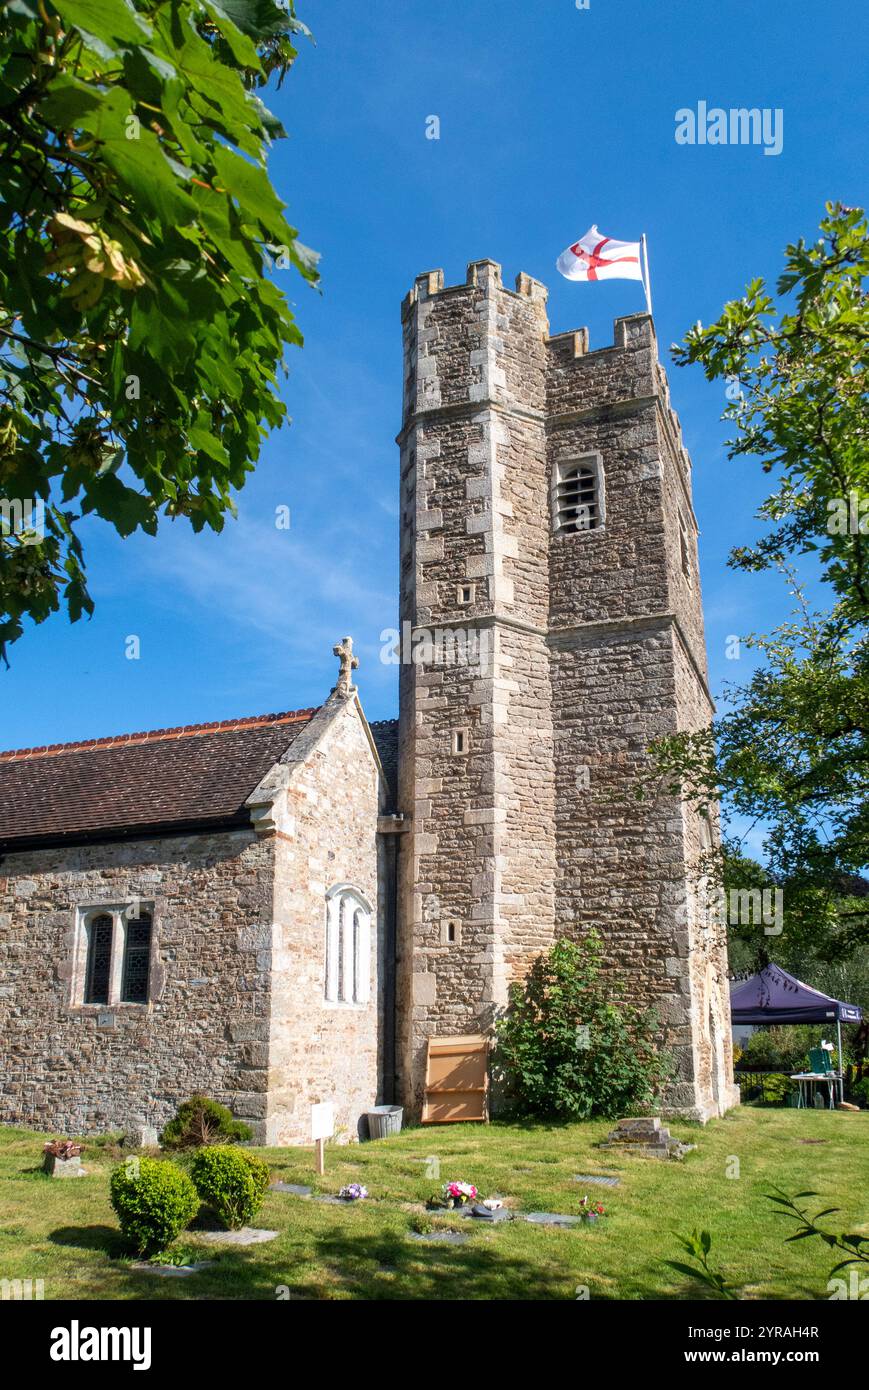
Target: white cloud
x=299 y=597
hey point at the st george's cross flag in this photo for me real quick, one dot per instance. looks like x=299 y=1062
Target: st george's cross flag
x=596 y=257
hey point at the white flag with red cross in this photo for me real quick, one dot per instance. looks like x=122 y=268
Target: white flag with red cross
x=596 y=257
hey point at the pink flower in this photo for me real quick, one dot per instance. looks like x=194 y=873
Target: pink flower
x=460 y=1191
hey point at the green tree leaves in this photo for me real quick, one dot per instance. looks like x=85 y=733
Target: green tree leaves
x=800 y=373
x=141 y=337
x=568 y=1047
x=698 y=1245
x=790 y=751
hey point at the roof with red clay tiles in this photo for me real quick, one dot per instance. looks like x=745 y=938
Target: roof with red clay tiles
x=195 y=776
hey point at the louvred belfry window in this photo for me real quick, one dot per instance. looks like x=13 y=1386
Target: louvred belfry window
x=99 y=959
x=577 y=500
x=137 y=960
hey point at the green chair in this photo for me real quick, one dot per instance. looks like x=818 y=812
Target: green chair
x=820 y=1061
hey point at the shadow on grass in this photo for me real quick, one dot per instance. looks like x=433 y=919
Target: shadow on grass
x=392 y=1266
x=538 y=1124
x=104 y=1238
x=388 y=1266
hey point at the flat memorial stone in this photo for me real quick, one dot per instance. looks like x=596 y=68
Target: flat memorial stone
x=246 y=1236
x=552 y=1218
x=173 y=1271
x=440 y=1237
x=602 y=1179
x=294 y=1188
x=482 y=1214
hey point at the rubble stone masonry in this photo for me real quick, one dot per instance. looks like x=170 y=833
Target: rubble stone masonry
x=236 y=1004
x=85 y=1068
x=517 y=768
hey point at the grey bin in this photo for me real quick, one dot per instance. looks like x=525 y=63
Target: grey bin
x=384 y=1120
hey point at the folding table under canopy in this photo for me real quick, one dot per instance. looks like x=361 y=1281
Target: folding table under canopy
x=774 y=996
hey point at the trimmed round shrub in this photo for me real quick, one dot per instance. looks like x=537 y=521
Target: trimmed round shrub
x=232 y=1182
x=200 y=1121
x=153 y=1201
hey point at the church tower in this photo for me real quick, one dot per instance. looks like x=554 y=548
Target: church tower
x=551 y=629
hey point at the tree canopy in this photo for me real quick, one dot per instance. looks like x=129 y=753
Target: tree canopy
x=799 y=404
x=790 y=751
x=141 y=336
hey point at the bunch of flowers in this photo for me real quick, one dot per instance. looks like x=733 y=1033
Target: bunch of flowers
x=458 y=1193
x=62 y=1148
x=590 y=1211
x=353 y=1192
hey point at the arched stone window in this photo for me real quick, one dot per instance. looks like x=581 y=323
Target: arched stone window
x=348 y=946
x=685 y=549
x=113 y=955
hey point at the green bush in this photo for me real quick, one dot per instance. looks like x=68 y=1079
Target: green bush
x=232 y=1182
x=775 y=1090
x=782 y=1045
x=860 y=1092
x=200 y=1121
x=568 y=1048
x=153 y=1200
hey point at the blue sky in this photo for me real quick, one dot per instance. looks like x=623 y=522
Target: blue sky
x=551 y=118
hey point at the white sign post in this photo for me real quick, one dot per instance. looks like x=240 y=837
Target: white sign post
x=322 y=1128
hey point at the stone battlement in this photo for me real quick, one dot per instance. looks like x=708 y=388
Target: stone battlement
x=487 y=275
x=483 y=274
x=631 y=332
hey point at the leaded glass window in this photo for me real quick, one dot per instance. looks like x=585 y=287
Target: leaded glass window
x=99 y=960
x=137 y=960
x=112 y=963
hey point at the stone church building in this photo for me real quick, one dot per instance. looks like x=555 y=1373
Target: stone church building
x=285 y=909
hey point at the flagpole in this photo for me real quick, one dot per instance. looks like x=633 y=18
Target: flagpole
x=647 y=286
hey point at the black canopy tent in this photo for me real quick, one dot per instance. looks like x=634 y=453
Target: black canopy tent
x=774 y=996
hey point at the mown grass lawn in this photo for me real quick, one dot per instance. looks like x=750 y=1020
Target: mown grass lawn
x=64 y=1231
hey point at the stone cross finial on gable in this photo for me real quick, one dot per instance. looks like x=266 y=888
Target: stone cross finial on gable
x=349 y=663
